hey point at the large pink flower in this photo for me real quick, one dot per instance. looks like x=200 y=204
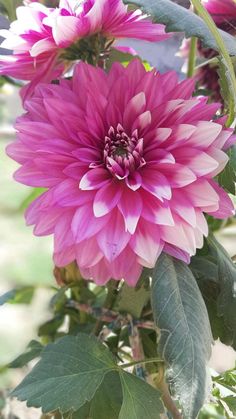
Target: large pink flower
x=41 y=36
x=222 y=11
x=128 y=163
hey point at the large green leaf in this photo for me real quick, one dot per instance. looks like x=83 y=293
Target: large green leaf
x=227 y=285
x=178 y=19
x=227 y=178
x=140 y=400
x=185 y=336
x=68 y=374
x=78 y=376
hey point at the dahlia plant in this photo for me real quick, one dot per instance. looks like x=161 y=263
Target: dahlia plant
x=133 y=171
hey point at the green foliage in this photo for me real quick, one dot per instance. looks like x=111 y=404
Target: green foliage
x=77 y=374
x=22 y=295
x=34 y=349
x=178 y=19
x=185 y=336
x=227 y=178
x=132 y=300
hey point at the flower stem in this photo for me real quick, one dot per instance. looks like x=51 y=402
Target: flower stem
x=192 y=57
x=109 y=302
x=143 y=361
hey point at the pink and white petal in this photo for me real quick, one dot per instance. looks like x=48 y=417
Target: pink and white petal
x=130 y=206
x=178 y=175
x=202 y=195
x=68 y=194
x=226 y=207
x=107 y=198
x=133 y=109
x=200 y=162
x=95 y=179
x=126 y=267
x=205 y=134
x=64 y=257
x=113 y=238
x=65 y=30
x=100 y=273
x=134 y=181
x=181 y=205
x=88 y=253
x=156 y=183
x=146 y=242
x=155 y=211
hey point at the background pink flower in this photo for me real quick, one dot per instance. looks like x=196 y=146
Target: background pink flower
x=222 y=11
x=128 y=163
x=40 y=35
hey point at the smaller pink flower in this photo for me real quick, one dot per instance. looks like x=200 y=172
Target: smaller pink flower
x=222 y=11
x=41 y=36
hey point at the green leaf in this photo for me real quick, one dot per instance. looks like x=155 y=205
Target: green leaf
x=68 y=374
x=227 y=284
x=231 y=403
x=185 y=336
x=34 y=349
x=178 y=19
x=227 y=178
x=132 y=300
x=140 y=400
x=106 y=403
x=18 y=296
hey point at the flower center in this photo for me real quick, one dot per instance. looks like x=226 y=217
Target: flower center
x=123 y=154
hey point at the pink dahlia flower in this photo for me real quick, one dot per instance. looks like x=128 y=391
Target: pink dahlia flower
x=41 y=36
x=128 y=163
x=222 y=11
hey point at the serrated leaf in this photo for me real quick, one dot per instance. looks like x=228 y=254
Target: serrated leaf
x=227 y=283
x=18 y=296
x=185 y=336
x=178 y=19
x=106 y=403
x=140 y=400
x=68 y=374
x=34 y=349
x=132 y=300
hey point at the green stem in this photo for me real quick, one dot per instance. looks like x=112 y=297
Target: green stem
x=142 y=361
x=192 y=57
x=109 y=302
x=202 y=12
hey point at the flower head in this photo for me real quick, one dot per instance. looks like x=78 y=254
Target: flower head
x=128 y=163
x=222 y=11
x=43 y=38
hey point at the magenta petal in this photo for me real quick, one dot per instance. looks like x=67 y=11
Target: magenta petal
x=106 y=198
x=226 y=208
x=88 y=253
x=113 y=239
x=94 y=179
x=85 y=225
x=130 y=205
x=156 y=183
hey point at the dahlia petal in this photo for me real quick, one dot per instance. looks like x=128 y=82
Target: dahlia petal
x=134 y=181
x=142 y=122
x=134 y=107
x=88 y=253
x=106 y=198
x=200 y=162
x=41 y=46
x=99 y=273
x=156 y=212
x=31 y=175
x=202 y=195
x=179 y=177
x=64 y=257
x=176 y=253
x=176 y=235
x=205 y=134
x=94 y=179
x=113 y=239
x=226 y=208
x=68 y=194
x=183 y=207
x=85 y=225
x=130 y=206
x=65 y=30
x=127 y=266
x=156 y=183
x=146 y=242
